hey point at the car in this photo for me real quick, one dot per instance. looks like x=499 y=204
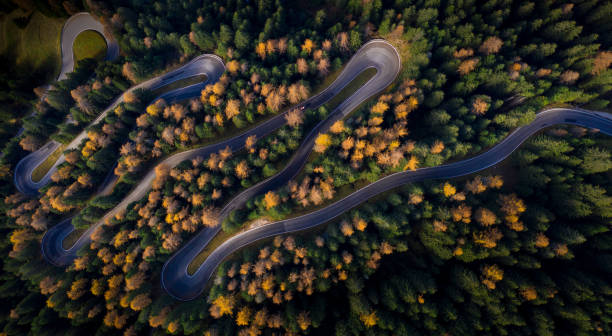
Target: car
x=302 y=108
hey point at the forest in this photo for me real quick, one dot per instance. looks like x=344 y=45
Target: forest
x=522 y=248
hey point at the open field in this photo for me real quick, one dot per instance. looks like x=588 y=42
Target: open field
x=40 y=31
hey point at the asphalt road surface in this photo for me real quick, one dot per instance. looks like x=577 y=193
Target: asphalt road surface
x=183 y=286
x=377 y=54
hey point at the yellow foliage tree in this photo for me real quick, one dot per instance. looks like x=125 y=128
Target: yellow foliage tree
x=412 y=163
x=380 y=107
x=322 y=142
x=449 y=190
x=491 y=274
x=437 y=147
x=541 y=240
x=232 y=108
x=222 y=305
x=233 y=66
x=218 y=88
x=337 y=127
x=485 y=217
x=271 y=199
x=243 y=317
x=242 y=169
x=307 y=46
x=260 y=50
x=369 y=320
x=303 y=320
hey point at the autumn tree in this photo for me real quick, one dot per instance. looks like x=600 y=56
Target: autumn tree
x=369 y=319
x=337 y=127
x=222 y=305
x=491 y=45
x=323 y=66
x=463 y=53
x=601 y=62
x=242 y=169
x=233 y=66
x=437 y=147
x=448 y=189
x=479 y=106
x=303 y=320
x=302 y=66
x=243 y=317
x=140 y=301
x=467 y=66
x=343 y=41
x=294 y=118
x=491 y=274
x=308 y=46
x=569 y=77
x=232 y=108
x=271 y=199
x=485 y=217
x=462 y=213
x=322 y=142
x=29 y=143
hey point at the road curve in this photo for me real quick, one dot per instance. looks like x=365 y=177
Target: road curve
x=377 y=54
x=74 y=26
x=192 y=286
x=210 y=65
x=51 y=246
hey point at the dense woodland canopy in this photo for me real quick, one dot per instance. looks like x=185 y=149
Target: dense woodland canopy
x=523 y=248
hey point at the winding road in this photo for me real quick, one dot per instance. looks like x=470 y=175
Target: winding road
x=376 y=53
x=182 y=286
x=209 y=65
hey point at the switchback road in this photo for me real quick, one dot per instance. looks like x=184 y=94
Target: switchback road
x=209 y=65
x=377 y=53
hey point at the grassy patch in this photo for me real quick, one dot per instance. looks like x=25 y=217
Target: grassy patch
x=353 y=86
x=211 y=246
x=39 y=172
x=72 y=238
x=89 y=44
x=36 y=46
x=330 y=78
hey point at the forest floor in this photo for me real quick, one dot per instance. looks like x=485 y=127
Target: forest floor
x=89 y=44
x=21 y=30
